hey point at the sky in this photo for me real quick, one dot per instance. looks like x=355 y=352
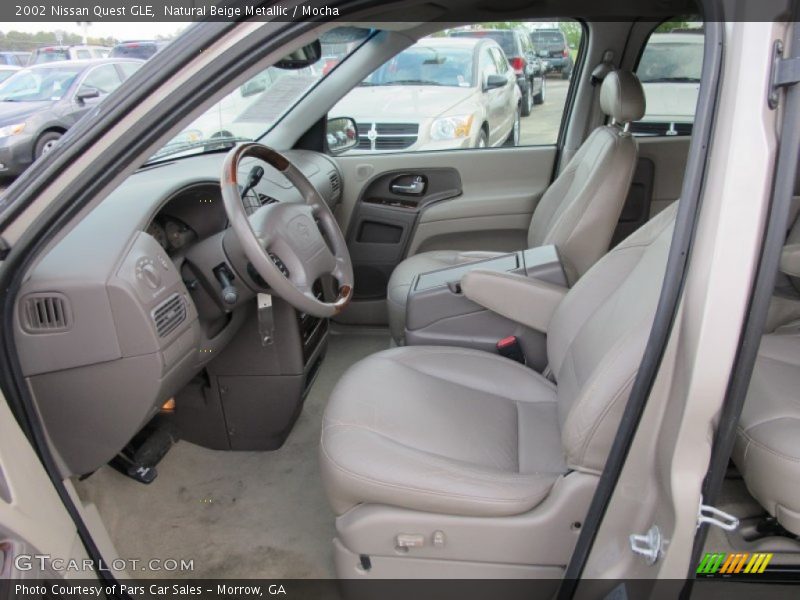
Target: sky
x=121 y=31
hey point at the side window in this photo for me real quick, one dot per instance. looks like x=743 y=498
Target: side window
x=104 y=79
x=669 y=69
x=128 y=68
x=82 y=54
x=488 y=64
x=500 y=60
x=427 y=97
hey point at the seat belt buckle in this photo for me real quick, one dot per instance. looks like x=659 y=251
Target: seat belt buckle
x=511 y=348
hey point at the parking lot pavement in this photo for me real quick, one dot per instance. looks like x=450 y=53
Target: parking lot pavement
x=542 y=126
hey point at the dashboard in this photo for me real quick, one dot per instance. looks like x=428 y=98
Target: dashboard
x=127 y=304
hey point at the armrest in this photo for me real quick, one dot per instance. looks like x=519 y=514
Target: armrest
x=530 y=302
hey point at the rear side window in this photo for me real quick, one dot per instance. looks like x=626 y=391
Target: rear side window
x=128 y=68
x=104 y=79
x=51 y=55
x=669 y=69
x=83 y=54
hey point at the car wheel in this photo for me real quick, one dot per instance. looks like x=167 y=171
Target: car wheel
x=513 y=137
x=527 y=100
x=566 y=74
x=46 y=143
x=483 y=139
x=539 y=98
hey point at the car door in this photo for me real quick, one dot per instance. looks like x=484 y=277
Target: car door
x=33 y=520
x=472 y=198
x=102 y=78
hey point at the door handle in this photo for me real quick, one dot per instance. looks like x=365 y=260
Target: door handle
x=415 y=188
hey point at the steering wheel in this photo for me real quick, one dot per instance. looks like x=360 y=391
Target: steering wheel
x=283 y=240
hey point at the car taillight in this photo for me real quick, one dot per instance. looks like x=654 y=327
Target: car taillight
x=518 y=64
x=566 y=52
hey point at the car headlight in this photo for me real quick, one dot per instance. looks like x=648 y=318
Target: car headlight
x=451 y=128
x=10 y=130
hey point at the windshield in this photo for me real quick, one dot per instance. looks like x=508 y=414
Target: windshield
x=251 y=110
x=673 y=61
x=38 y=85
x=426 y=65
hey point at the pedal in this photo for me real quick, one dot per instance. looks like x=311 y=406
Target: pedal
x=137 y=472
x=139 y=458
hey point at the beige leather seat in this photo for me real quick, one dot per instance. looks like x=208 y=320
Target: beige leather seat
x=419 y=439
x=578 y=212
x=767 y=449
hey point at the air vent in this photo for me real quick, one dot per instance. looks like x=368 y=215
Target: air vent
x=46 y=313
x=336 y=185
x=169 y=314
x=264 y=199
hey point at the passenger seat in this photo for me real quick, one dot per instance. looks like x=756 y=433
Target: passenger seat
x=579 y=211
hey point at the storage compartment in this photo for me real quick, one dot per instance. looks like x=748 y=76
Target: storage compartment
x=372 y=232
x=437 y=313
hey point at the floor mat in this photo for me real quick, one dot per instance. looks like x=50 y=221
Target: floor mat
x=236 y=514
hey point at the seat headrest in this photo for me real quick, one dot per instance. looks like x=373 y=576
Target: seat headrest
x=622 y=97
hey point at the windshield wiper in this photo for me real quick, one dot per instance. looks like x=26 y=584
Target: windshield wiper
x=412 y=82
x=216 y=143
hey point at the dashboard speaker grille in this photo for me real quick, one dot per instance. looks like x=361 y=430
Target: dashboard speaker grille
x=168 y=315
x=46 y=313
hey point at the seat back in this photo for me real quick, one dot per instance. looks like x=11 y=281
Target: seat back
x=597 y=337
x=579 y=211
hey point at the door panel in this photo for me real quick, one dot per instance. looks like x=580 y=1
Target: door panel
x=474 y=200
x=668 y=155
x=656 y=181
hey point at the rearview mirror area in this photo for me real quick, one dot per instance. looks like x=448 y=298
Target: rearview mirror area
x=302 y=57
x=341 y=134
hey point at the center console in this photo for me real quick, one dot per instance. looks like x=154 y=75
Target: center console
x=438 y=313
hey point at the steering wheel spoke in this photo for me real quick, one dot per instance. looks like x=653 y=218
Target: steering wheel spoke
x=293 y=233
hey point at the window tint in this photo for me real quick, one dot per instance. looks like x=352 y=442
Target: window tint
x=104 y=79
x=428 y=97
x=669 y=69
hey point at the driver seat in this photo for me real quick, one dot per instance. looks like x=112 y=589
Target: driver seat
x=475 y=462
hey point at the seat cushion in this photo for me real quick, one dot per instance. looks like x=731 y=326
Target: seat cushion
x=404 y=273
x=767 y=449
x=441 y=429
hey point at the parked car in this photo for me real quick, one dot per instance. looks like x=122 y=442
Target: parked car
x=77 y=52
x=142 y=49
x=18 y=59
x=7 y=71
x=530 y=71
x=40 y=103
x=441 y=93
x=670 y=70
x=551 y=46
